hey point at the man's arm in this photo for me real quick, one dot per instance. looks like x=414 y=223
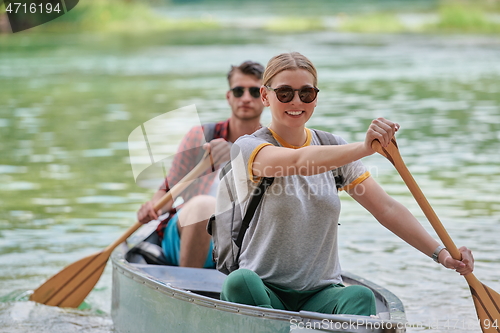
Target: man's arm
x=183 y=162
x=147 y=213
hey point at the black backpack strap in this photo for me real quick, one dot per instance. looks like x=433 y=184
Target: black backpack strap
x=257 y=195
x=209 y=133
x=225 y=169
x=328 y=139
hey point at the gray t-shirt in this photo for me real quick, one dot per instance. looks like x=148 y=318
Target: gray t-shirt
x=292 y=238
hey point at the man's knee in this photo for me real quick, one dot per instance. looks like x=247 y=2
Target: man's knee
x=201 y=203
x=197 y=209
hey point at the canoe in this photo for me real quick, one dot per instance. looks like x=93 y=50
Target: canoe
x=160 y=298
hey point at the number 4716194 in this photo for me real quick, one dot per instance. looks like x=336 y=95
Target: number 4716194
x=489 y=324
x=32 y=8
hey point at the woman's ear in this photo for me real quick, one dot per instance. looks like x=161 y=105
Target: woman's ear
x=264 y=96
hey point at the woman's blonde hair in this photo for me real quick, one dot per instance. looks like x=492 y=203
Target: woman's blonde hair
x=288 y=61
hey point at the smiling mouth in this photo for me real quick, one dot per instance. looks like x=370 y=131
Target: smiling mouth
x=294 y=113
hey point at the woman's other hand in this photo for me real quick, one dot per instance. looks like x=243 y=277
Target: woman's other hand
x=464 y=266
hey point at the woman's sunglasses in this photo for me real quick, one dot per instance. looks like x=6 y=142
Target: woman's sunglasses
x=285 y=94
x=239 y=91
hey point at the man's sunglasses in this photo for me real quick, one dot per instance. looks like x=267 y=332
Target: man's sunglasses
x=239 y=91
x=285 y=94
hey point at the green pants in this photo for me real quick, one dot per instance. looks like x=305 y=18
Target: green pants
x=245 y=287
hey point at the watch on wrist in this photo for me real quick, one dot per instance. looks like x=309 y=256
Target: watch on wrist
x=435 y=255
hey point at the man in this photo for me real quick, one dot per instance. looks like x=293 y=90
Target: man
x=185 y=239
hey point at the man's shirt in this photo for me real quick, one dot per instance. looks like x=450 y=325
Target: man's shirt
x=188 y=156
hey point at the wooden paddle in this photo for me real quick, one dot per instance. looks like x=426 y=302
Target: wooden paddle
x=486 y=300
x=69 y=287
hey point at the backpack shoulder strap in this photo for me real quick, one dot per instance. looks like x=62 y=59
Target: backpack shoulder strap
x=265 y=134
x=257 y=194
x=326 y=138
x=255 y=199
x=209 y=131
x=225 y=169
x=262 y=133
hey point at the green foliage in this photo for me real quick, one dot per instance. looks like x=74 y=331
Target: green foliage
x=465 y=17
x=452 y=17
x=122 y=16
x=375 y=23
x=295 y=24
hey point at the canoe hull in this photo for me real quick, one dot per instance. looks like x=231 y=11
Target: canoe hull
x=140 y=307
x=154 y=299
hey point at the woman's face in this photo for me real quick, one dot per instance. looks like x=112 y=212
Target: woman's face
x=294 y=113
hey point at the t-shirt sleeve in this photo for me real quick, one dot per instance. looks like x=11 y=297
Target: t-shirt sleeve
x=353 y=173
x=247 y=147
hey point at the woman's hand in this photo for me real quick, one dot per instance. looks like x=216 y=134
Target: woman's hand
x=464 y=266
x=382 y=130
x=147 y=213
x=220 y=150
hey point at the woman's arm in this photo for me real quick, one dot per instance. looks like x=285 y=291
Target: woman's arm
x=395 y=217
x=272 y=161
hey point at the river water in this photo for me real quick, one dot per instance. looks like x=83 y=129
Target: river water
x=69 y=102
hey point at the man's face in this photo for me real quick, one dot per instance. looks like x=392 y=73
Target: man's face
x=246 y=107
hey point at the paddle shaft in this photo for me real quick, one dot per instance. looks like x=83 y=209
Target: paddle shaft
x=392 y=154
x=70 y=286
x=177 y=189
x=486 y=300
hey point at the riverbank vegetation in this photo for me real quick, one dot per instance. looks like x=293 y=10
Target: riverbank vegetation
x=468 y=17
x=133 y=16
x=481 y=17
x=124 y=16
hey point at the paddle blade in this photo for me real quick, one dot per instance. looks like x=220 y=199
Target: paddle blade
x=69 y=287
x=487 y=302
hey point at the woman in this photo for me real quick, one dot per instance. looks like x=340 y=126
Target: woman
x=289 y=257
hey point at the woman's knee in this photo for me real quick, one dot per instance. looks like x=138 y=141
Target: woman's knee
x=361 y=293
x=245 y=287
x=240 y=281
x=359 y=300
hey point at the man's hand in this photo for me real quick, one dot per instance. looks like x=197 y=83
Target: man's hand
x=220 y=150
x=147 y=213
